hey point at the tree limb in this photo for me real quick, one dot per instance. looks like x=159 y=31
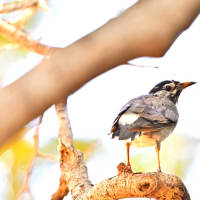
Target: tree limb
x=146 y=29
x=138 y=185
x=73 y=170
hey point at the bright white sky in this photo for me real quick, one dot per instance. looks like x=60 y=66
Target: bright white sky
x=93 y=108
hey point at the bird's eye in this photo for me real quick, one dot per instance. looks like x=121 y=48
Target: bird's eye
x=168 y=88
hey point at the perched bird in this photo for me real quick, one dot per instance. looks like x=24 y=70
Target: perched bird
x=147 y=120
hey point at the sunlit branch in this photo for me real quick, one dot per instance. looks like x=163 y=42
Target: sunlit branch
x=15 y=34
x=21 y=5
x=73 y=170
x=47 y=156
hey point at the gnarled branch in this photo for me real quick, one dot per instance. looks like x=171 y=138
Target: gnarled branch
x=138 y=185
x=74 y=175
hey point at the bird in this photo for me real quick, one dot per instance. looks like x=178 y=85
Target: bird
x=148 y=119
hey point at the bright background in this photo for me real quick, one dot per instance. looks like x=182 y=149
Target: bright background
x=93 y=108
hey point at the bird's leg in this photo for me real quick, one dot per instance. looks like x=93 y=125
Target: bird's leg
x=158 y=155
x=128 y=157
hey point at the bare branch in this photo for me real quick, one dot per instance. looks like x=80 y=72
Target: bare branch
x=28 y=9
x=19 y=21
x=47 y=156
x=74 y=175
x=15 y=34
x=138 y=185
x=26 y=187
x=17 y=5
x=141 y=66
x=65 y=133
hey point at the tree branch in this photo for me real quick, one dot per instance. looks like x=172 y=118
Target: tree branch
x=17 y=5
x=138 y=185
x=146 y=29
x=15 y=34
x=21 y=5
x=74 y=175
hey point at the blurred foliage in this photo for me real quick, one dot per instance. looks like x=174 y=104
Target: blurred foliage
x=4 y=42
x=86 y=146
x=13 y=141
x=50 y=147
x=17 y=154
x=176 y=155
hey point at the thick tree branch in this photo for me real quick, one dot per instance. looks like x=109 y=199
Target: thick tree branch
x=138 y=185
x=146 y=29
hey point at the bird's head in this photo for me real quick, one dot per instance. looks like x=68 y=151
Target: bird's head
x=171 y=89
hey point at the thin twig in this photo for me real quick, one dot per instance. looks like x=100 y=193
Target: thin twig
x=17 y=5
x=142 y=66
x=15 y=34
x=47 y=156
x=26 y=187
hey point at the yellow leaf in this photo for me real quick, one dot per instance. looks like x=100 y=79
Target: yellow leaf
x=17 y=155
x=9 y=143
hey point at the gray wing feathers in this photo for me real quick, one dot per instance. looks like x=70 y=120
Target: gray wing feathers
x=172 y=114
x=152 y=111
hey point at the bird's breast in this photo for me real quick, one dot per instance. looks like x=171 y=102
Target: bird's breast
x=150 y=139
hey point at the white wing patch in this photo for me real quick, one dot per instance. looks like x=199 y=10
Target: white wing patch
x=128 y=118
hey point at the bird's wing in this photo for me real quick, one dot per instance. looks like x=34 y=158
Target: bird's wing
x=144 y=114
x=123 y=110
x=158 y=111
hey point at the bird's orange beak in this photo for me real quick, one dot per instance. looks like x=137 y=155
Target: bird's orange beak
x=186 y=84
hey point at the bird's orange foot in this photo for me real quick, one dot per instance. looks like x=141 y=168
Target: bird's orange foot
x=128 y=168
x=123 y=168
x=159 y=170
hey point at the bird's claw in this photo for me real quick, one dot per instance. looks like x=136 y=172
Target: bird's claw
x=159 y=170
x=123 y=168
